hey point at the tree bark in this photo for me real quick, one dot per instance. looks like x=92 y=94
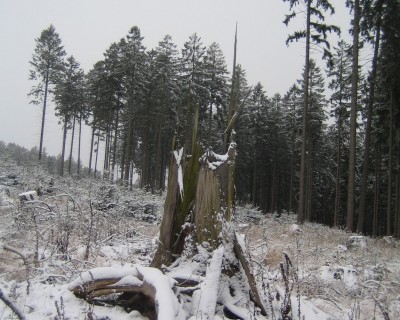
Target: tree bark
x=353 y=121
x=390 y=169
x=338 y=171
x=79 y=145
x=46 y=86
x=302 y=191
x=91 y=148
x=72 y=147
x=371 y=99
x=63 y=146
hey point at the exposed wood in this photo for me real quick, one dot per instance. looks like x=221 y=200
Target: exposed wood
x=245 y=262
x=148 y=281
x=163 y=254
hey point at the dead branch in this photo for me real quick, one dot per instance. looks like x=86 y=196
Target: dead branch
x=12 y=306
x=245 y=262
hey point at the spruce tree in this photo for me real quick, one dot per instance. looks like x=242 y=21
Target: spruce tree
x=315 y=32
x=46 y=66
x=68 y=99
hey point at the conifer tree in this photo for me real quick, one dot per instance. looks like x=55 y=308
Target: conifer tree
x=68 y=99
x=216 y=84
x=46 y=65
x=314 y=32
x=193 y=78
x=353 y=116
x=340 y=84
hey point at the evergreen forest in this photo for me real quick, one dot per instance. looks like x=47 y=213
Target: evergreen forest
x=329 y=156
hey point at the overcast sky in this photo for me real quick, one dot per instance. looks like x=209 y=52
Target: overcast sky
x=88 y=27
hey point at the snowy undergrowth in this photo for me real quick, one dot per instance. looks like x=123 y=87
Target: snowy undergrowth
x=317 y=266
x=343 y=279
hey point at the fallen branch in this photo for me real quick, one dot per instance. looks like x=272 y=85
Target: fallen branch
x=242 y=255
x=12 y=306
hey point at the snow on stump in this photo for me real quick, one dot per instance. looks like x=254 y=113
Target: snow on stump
x=356 y=242
x=27 y=196
x=150 y=282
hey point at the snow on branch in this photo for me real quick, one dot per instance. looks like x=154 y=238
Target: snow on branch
x=205 y=299
x=12 y=306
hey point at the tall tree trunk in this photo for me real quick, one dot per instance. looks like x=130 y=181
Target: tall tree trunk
x=364 y=178
x=309 y=182
x=91 y=148
x=390 y=169
x=63 y=146
x=97 y=154
x=123 y=156
x=129 y=144
x=46 y=86
x=72 y=147
x=338 y=171
x=79 y=145
x=292 y=163
x=397 y=201
x=114 y=152
x=254 y=185
x=377 y=193
x=302 y=191
x=353 y=121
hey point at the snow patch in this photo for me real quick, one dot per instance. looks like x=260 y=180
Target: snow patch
x=178 y=158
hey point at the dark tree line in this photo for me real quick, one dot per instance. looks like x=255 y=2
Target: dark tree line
x=340 y=169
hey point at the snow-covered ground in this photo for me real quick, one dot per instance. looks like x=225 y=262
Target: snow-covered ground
x=310 y=270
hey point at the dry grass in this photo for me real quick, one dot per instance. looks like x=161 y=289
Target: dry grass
x=377 y=265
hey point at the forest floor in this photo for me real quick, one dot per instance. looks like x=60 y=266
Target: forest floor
x=327 y=272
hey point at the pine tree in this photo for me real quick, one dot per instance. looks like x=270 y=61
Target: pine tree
x=371 y=22
x=47 y=64
x=340 y=84
x=216 y=85
x=353 y=117
x=133 y=63
x=315 y=32
x=68 y=99
x=193 y=86
x=167 y=91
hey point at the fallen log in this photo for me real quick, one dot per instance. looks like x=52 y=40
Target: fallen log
x=144 y=280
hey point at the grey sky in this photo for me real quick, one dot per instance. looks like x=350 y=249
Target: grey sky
x=88 y=27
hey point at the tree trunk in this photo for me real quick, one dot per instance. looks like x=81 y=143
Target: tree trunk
x=302 y=191
x=72 y=147
x=397 y=201
x=129 y=144
x=63 y=146
x=114 y=152
x=353 y=121
x=79 y=145
x=377 y=193
x=91 y=149
x=46 y=86
x=338 y=162
x=371 y=99
x=97 y=154
x=390 y=170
